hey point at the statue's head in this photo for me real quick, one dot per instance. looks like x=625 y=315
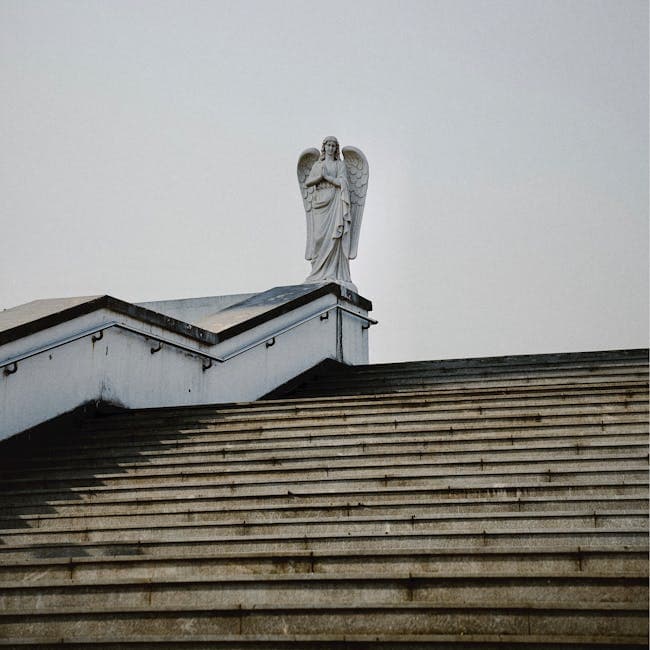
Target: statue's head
x=332 y=140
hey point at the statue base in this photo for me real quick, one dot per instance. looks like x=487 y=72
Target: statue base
x=342 y=283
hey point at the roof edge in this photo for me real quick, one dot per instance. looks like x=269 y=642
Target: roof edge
x=318 y=292
x=114 y=304
x=173 y=324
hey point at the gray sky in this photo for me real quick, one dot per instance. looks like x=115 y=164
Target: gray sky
x=148 y=151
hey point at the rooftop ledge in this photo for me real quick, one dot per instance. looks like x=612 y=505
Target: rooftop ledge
x=59 y=354
x=216 y=327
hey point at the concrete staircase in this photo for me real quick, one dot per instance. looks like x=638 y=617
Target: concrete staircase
x=468 y=504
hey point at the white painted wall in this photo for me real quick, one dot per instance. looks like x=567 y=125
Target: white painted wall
x=121 y=369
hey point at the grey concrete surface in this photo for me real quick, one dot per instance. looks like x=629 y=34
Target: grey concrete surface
x=479 y=510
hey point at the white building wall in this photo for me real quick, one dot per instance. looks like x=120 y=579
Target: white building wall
x=121 y=369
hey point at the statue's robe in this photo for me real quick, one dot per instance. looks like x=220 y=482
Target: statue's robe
x=329 y=245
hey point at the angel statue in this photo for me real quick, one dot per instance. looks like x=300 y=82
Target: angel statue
x=334 y=193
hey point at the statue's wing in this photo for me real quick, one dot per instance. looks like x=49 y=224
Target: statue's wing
x=357 y=167
x=305 y=162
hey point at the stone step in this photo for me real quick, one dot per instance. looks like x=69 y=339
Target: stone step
x=354 y=521
x=340 y=457
x=515 y=498
x=619 y=386
x=310 y=409
x=619 y=446
x=394 y=432
x=357 y=385
x=574 y=373
x=209 y=473
x=337 y=443
x=441 y=397
x=592 y=359
x=476 y=368
x=521 y=617
x=89 y=446
x=192 y=416
x=325 y=590
x=493 y=365
x=213 y=562
x=634 y=483
x=217 y=423
x=443 y=438
x=439 y=392
x=457 y=523
x=359 y=388
x=436 y=434
x=325 y=641
x=416 y=540
x=588 y=473
x=331 y=448
x=92 y=515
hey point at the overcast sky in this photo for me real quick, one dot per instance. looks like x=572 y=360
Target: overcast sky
x=148 y=151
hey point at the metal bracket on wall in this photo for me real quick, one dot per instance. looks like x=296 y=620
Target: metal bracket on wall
x=10 y=366
x=9 y=370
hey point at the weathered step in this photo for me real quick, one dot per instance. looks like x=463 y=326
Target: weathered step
x=387 y=490
x=95 y=516
x=587 y=460
x=440 y=394
x=222 y=419
x=358 y=388
x=181 y=449
x=353 y=525
x=442 y=443
x=208 y=562
x=517 y=413
x=474 y=473
x=442 y=500
x=448 y=449
x=357 y=385
x=604 y=619
x=325 y=590
x=341 y=641
x=398 y=454
x=327 y=641
x=468 y=370
x=379 y=373
x=448 y=437
x=505 y=364
x=194 y=417
x=440 y=398
x=330 y=542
